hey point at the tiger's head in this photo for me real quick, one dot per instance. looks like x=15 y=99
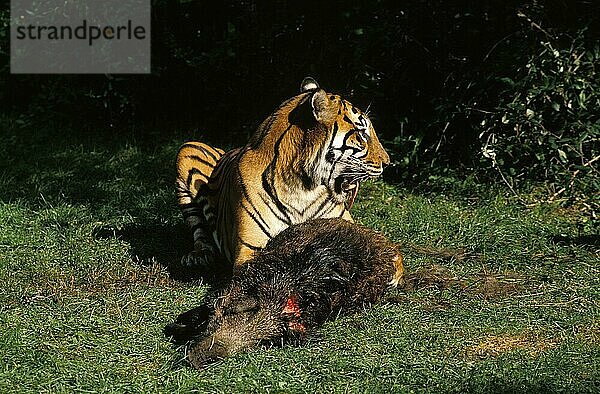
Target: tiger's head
x=350 y=151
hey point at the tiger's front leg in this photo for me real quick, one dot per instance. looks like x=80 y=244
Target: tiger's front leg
x=206 y=253
x=195 y=164
x=202 y=258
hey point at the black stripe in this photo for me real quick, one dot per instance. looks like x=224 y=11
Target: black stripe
x=270 y=173
x=348 y=120
x=276 y=214
x=209 y=149
x=200 y=226
x=248 y=199
x=264 y=230
x=273 y=194
x=204 y=149
x=348 y=134
x=191 y=211
x=317 y=213
x=193 y=146
x=191 y=205
x=191 y=174
x=333 y=168
x=246 y=244
x=201 y=160
x=222 y=225
x=209 y=153
x=362 y=121
x=335 y=129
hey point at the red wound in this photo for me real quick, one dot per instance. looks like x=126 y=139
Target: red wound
x=291 y=307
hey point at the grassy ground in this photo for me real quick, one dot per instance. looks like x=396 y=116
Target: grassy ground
x=88 y=224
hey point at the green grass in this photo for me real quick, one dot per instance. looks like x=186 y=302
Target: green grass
x=88 y=223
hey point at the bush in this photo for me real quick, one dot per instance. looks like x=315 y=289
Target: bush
x=546 y=125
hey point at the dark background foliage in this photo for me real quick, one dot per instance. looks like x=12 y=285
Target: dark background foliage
x=445 y=81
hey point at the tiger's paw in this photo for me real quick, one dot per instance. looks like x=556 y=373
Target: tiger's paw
x=204 y=258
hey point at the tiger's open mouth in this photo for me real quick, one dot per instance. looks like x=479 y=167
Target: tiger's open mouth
x=351 y=196
x=344 y=185
x=347 y=183
x=347 y=179
x=348 y=189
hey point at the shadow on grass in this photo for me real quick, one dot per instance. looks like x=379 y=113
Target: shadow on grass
x=582 y=240
x=164 y=245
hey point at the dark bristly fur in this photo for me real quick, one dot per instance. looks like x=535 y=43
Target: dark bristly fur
x=308 y=274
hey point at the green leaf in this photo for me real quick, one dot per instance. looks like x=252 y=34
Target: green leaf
x=562 y=155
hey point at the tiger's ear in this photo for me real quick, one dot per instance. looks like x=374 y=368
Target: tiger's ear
x=308 y=84
x=321 y=106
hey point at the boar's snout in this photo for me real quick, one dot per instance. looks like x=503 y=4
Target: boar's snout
x=207 y=352
x=236 y=332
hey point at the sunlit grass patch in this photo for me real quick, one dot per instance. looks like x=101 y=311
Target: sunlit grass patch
x=495 y=345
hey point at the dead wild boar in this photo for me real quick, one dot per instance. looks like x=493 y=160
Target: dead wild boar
x=308 y=274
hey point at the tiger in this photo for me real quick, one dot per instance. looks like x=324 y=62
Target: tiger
x=305 y=161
